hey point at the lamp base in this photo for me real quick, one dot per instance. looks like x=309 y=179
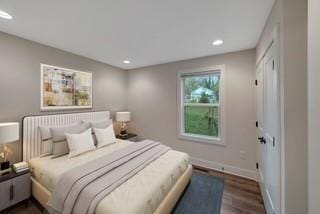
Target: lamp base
x=5 y=172
x=123 y=133
x=5 y=165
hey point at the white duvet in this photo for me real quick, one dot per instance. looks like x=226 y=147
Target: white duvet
x=141 y=194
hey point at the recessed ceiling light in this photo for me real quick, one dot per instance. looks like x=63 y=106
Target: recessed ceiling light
x=5 y=15
x=126 y=61
x=218 y=42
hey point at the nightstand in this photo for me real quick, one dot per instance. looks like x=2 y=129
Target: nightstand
x=14 y=188
x=130 y=137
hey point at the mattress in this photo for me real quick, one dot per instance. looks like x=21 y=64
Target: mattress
x=140 y=194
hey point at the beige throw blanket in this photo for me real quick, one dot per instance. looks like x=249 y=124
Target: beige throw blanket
x=81 y=189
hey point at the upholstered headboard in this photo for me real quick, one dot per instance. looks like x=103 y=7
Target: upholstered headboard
x=31 y=140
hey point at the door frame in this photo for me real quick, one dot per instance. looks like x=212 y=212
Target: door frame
x=274 y=39
x=260 y=124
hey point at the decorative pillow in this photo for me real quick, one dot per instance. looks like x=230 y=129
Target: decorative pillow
x=105 y=136
x=60 y=146
x=46 y=141
x=80 y=143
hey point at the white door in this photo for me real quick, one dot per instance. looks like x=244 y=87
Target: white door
x=268 y=132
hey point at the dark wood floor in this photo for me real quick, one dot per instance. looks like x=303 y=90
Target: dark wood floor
x=22 y=208
x=240 y=196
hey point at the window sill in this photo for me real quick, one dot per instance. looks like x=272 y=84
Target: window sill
x=202 y=139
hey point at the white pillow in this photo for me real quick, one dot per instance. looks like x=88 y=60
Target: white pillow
x=80 y=143
x=105 y=136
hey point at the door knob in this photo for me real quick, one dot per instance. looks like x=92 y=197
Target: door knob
x=262 y=140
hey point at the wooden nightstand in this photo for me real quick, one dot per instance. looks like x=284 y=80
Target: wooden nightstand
x=130 y=137
x=14 y=188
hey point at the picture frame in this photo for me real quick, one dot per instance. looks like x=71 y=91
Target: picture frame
x=64 y=88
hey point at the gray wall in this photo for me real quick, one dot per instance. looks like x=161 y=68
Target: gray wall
x=295 y=100
x=20 y=79
x=291 y=15
x=152 y=99
x=314 y=104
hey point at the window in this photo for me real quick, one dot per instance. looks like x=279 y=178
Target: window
x=201 y=105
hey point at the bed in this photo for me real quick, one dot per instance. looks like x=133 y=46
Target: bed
x=154 y=189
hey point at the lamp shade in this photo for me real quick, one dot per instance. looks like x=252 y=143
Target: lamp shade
x=123 y=116
x=9 y=132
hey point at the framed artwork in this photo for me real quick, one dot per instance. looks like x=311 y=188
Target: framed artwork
x=63 y=88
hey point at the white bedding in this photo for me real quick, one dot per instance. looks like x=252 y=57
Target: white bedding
x=141 y=194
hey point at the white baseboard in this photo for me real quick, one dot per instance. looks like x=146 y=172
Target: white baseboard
x=246 y=173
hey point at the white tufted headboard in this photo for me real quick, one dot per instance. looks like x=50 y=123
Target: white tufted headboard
x=31 y=140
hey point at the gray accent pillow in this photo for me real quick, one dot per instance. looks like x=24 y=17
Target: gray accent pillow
x=60 y=146
x=100 y=124
x=46 y=141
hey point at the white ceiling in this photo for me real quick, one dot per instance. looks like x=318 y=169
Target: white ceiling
x=146 y=32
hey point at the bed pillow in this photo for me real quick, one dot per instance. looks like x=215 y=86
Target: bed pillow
x=104 y=136
x=60 y=146
x=80 y=143
x=46 y=141
x=100 y=124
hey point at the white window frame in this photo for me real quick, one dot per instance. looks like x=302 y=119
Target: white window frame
x=180 y=95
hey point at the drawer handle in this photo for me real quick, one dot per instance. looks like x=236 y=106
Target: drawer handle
x=11 y=192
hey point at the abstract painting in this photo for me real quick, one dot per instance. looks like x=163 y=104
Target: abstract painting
x=63 y=88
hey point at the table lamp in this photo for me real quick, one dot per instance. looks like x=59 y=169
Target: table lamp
x=9 y=132
x=123 y=118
